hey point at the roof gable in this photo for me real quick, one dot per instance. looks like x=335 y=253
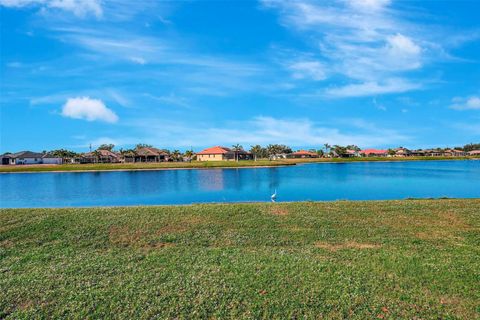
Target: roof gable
x=215 y=150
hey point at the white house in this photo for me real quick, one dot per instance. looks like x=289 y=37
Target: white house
x=50 y=159
x=29 y=157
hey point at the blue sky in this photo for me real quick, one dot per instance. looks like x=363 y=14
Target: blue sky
x=376 y=73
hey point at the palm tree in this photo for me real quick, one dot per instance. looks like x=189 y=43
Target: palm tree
x=236 y=148
x=256 y=150
x=189 y=155
x=327 y=147
x=176 y=155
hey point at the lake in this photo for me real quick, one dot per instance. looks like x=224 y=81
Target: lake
x=315 y=181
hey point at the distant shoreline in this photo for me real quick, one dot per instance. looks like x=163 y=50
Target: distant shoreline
x=114 y=167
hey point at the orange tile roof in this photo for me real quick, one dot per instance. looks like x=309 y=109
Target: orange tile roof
x=215 y=150
x=373 y=151
x=304 y=153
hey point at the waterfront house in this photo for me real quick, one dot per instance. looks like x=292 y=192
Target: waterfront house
x=303 y=154
x=351 y=154
x=22 y=157
x=100 y=156
x=219 y=153
x=417 y=153
x=49 y=158
x=474 y=153
x=460 y=153
x=434 y=153
x=7 y=159
x=374 y=153
x=149 y=154
x=402 y=152
x=278 y=156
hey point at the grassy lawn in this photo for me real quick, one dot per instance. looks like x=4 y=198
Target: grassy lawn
x=143 y=166
x=365 y=260
x=199 y=164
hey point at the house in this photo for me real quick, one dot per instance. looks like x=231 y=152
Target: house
x=374 y=153
x=22 y=157
x=100 y=156
x=351 y=153
x=279 y=156
x=149 y=154
x=474 y=153
x=417 y=153
x=303 y=154
x=7 y=159
x=48 y=158
x=434 y=153
x=454 y=153
x=219 y=153
x=402 y=152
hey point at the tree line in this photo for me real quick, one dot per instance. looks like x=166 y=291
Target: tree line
x=258 y=151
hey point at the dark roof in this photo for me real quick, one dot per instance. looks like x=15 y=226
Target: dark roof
x=150 y=152
x=23 y=154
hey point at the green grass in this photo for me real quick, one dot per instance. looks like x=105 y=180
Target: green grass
x=204 y=164
x=333 y=260
x=142 y=166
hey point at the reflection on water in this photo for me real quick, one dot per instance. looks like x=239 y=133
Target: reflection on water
x=374 y=180
x=210 y=180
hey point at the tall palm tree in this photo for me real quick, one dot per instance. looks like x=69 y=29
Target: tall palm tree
x=176 y=155
x=327 y=147
x=189 y=155
x=256 y=151
x=236 y=148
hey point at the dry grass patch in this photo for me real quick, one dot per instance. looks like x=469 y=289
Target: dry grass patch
x=6 y=244
x=346 y=245
x=126 y=237
x=279 y=210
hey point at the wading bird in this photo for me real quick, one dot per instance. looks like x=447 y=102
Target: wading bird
x=274 y=196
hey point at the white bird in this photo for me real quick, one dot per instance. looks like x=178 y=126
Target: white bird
x=274 y=196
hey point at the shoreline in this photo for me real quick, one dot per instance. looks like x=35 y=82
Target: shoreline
x=153 y=169
x=219 y=203
x=53 y=169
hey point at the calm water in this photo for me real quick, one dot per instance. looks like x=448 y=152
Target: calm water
x=354 y=181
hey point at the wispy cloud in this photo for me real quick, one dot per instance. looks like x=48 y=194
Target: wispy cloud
x=265 y=130
x=80 y=8
x=367 y=42
x=373 y=88
x=470 y=103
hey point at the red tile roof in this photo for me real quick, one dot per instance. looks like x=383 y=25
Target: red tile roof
x=373 y=151
x=304 y=153
x=215 y=150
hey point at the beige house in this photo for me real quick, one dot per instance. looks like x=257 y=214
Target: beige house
x=219 y=153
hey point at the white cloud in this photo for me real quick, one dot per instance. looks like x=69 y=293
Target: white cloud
x=364 y=41
x=369 y=4
x=308 y=69
x=80 y=8
x=88 y=109
x=15 y=64
x=266 y=130
x=403 y=53
x=471 y=103
x=373 y=88
x=138 y=60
